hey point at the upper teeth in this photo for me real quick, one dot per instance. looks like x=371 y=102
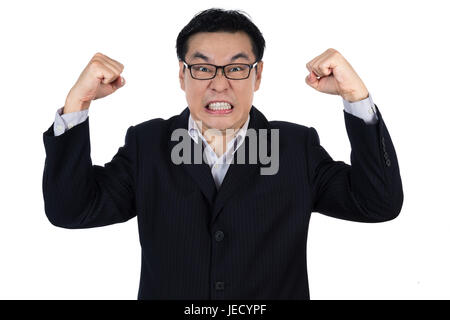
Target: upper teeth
x=219 y=106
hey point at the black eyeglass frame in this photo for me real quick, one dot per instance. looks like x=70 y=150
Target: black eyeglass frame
x=189 y=66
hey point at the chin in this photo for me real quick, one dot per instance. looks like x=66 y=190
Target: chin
x=219 y=124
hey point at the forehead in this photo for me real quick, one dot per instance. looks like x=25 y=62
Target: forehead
x=217 y=45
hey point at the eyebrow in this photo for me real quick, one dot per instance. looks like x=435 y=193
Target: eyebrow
x=200 y=55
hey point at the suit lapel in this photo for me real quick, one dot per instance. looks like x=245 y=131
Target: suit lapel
x=240 y=175
x=200 y=173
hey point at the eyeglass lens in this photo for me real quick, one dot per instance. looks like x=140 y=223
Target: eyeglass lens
x=233 y=71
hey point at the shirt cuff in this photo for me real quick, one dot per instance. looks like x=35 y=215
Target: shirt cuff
x=363 y=109
x=64 y=122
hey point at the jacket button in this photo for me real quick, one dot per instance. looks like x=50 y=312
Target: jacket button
x=219 y=235
x=386 y=156
x=388 y=162
x=220 y=285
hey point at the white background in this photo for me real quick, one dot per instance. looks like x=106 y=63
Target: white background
x=399 y=48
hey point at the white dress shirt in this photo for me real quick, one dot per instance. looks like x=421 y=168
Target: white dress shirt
x=219 y=165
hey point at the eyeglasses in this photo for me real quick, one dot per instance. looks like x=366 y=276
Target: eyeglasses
x=207 y=71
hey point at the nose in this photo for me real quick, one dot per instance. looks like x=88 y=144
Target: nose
x=219 y=82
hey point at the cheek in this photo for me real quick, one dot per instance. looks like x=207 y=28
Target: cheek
x=194 y=94
x=245 y=93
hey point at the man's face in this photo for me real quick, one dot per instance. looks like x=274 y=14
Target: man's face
x=220 y=48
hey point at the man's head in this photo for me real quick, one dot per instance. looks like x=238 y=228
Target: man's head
x=220 y=37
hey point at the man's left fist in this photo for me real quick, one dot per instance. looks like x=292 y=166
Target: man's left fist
x=331 y=73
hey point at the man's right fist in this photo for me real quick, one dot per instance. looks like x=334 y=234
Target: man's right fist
x=100 y=78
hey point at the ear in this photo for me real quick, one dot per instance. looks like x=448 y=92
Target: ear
x=259 y=70
x=181 y=74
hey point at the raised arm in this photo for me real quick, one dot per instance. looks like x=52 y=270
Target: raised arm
x=370 y=189
x=76 y=193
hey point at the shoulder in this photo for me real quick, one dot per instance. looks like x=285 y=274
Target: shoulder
x=289 y=131
x=288 y=126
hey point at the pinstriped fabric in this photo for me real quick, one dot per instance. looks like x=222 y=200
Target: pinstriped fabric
x=246 y=240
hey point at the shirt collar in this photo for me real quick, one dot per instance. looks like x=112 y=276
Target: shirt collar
x=194 y=132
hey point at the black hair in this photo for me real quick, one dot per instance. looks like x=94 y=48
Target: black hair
x=216 y=20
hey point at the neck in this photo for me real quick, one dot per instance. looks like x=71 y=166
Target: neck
x=218 y=138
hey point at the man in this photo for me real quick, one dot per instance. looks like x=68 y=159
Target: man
x=221 y=229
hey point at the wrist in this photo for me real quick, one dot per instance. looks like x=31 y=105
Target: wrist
x=74 y=105
x=355 y=97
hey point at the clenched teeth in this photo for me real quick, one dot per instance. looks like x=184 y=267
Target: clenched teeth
x=219 y=106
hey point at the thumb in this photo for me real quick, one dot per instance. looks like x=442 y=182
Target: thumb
x=118 y=83
x=311 y=80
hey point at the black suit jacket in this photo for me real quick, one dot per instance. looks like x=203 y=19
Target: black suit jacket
x=245 y=241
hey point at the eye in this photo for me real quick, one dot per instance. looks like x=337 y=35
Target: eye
x=235 y=69
x=202 y=69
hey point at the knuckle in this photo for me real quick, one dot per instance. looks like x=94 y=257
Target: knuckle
x=120 y=64
x=335 y=52
x=96 y=64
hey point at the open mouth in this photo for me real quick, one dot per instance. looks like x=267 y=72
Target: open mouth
x=219 y=108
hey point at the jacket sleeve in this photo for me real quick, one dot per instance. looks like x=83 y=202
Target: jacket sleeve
x=78 y=194
x=368 y=190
